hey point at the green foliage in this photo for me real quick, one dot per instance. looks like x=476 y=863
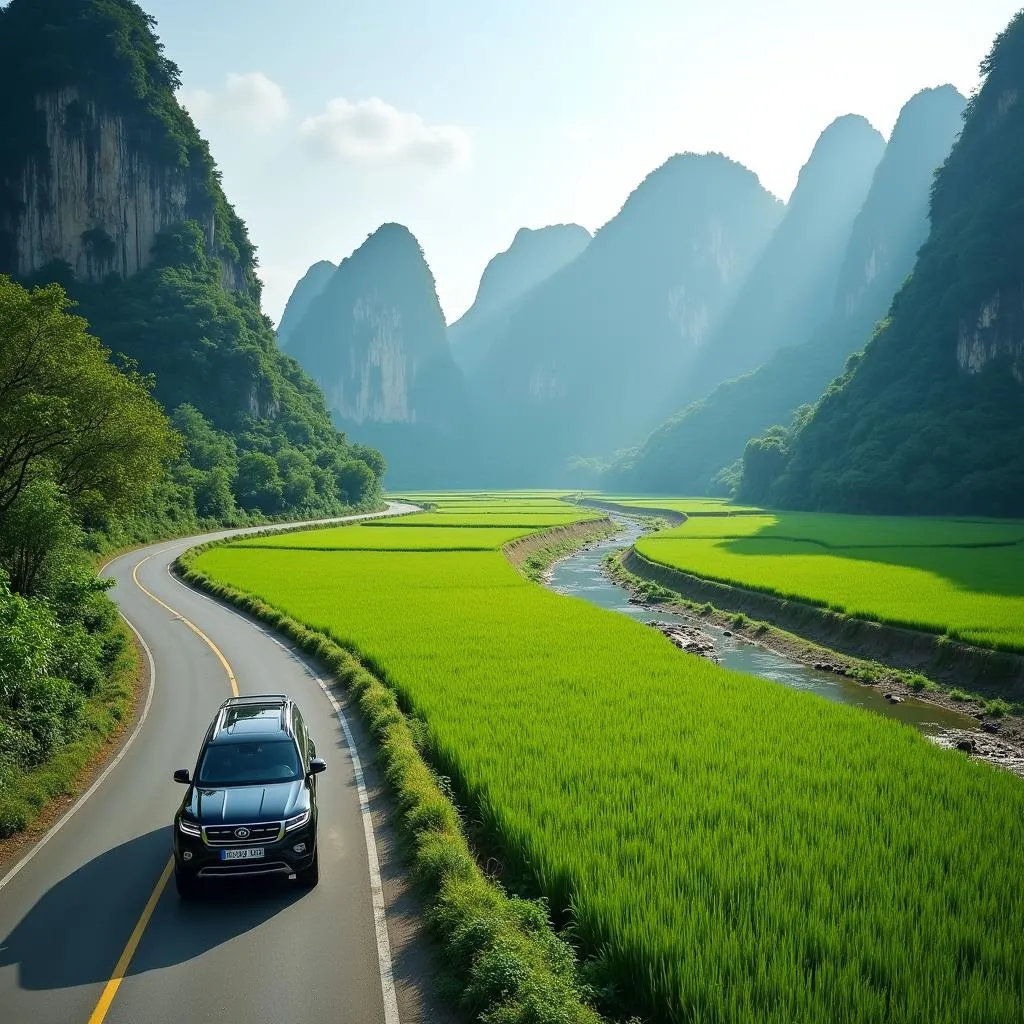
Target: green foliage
x=931 y=420
x=677 y=814
x=40 y=536
x=998 y=708
x=259 y=483
x=69 y=414
x=236 y=397
x=56 y=650
x=510 y=967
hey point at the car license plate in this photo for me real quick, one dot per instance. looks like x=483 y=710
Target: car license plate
x=246 y=853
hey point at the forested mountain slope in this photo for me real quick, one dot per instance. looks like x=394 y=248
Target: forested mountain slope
x=931 y=418
x=686 y=453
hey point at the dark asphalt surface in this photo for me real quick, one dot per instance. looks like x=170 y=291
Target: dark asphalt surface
x=252 y=952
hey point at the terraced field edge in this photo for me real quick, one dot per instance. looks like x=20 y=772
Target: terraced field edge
x=502 y=951
x=986 y=672
x=534 y=554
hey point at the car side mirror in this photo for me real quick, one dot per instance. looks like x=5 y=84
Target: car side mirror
x=317 y=765
x=181 y=775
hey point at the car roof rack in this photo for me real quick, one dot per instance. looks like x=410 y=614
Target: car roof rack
x=265 y=699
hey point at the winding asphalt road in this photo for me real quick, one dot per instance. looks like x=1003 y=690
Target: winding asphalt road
x=92 y=931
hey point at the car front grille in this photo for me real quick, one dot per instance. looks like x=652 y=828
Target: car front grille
x=252 y=835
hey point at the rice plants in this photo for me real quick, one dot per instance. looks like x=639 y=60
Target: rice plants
x=963 y=579
x=513 y=518
x=364 y=537
x=732 y=849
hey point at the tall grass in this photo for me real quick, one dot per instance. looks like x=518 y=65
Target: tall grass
x=729 y=849
x=961 y=579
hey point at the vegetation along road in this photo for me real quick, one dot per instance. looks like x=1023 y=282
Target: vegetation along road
x=724 y=847
x=94 y=931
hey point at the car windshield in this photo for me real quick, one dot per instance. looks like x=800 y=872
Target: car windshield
x=249 y=761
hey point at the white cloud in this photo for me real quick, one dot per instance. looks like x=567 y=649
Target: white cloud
x=374 y=131
x=251 y=100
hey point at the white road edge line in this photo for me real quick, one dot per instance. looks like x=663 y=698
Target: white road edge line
x=63 y=820
x=387 y=975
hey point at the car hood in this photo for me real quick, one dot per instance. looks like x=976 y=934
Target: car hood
x=246 y=804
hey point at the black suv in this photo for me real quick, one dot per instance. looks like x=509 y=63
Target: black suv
x=250 y=809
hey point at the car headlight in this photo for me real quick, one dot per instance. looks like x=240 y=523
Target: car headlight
x=188 y=828
x=298 y=821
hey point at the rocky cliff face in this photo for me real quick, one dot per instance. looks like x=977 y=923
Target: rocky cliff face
x=533 y=256
x=893 y=222
x=586 y=353
x=374 y=339
x=373 y=329
x=92 y=200
x=995 y=334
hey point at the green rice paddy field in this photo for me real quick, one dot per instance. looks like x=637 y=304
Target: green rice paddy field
x=961 y=578
x=732 y=850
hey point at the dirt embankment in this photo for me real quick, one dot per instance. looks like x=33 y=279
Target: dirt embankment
x=532 y=554
x=997 y=739
x=992 y=673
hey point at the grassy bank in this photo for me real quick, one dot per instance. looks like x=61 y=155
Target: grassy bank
x=105 y=714
x=654 y=583
x=723 y=848
x=954 y=578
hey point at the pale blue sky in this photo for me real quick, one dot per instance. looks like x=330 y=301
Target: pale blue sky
x=467 y=119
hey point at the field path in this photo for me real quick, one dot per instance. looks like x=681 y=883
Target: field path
x=90 y=929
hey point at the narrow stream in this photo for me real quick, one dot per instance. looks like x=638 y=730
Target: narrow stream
x=581 y=575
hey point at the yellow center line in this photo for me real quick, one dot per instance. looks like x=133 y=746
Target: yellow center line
x=111 y=987
x=191 y=625
x=99 y=1014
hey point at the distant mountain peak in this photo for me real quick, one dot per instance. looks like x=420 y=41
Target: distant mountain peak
x=534 y=255
x=308 y=288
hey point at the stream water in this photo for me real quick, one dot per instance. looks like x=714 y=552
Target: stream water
x=581 y=575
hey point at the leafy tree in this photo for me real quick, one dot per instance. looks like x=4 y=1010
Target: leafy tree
x=356 y=482
x=39 y=536
x=259 y=485
x=213 y=495
x=37 y=711
x=373 y=458
x=69 y=414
